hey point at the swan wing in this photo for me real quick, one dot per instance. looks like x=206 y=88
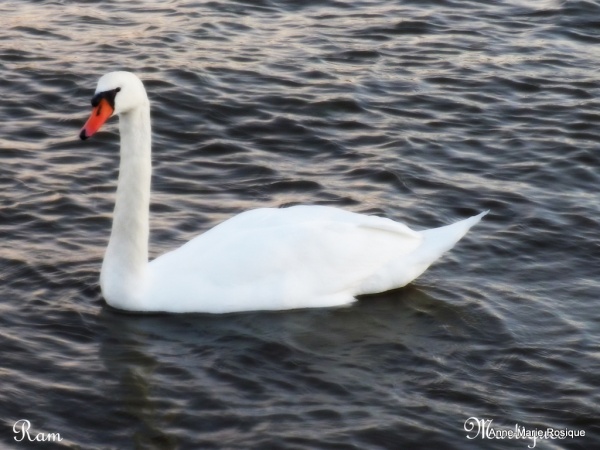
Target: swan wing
x=302 y=256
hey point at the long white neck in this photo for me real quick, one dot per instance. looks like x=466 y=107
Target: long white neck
x=122 y=277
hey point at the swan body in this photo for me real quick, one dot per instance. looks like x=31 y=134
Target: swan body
x=263 y=259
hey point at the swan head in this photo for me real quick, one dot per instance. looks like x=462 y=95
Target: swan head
x=116 y=93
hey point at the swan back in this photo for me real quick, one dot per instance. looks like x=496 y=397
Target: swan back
x=297 y=257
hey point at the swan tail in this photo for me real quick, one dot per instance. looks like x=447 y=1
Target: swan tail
x=435 y=242
x=438 y=241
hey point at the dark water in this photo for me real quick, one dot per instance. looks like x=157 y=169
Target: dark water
x=422 y=111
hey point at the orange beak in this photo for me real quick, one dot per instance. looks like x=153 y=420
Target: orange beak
x=100 y=114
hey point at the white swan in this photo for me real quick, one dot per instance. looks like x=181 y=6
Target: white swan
x=264 y=259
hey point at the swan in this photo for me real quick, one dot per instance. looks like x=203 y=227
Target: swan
x=262 y=259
